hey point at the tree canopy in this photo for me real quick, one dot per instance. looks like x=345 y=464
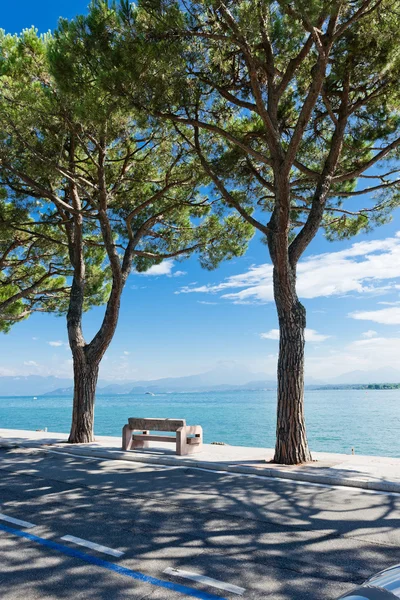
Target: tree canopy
x=313 y=85
x=103 y=190
x=57 y=125
x=33 y=266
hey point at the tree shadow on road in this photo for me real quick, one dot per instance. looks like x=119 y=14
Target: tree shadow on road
x=278 y=539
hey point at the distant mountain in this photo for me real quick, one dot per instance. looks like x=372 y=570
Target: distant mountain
x=219 y=379
x=114 y=390
x=111 y=389
x=225 y=376
x=384 y=375
x=31 y=385
x=179 y=388
x=34 y=385
x=67 y=391
x=222 y=378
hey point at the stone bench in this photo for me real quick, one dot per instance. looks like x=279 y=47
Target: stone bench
x=136 y=434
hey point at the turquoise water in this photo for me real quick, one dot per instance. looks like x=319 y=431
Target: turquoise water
x=337 y=420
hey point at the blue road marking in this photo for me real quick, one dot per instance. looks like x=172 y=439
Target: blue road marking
x=105 y=564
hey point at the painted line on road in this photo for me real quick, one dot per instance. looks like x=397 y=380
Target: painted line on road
x=92 y=545
x=221 y=585
x=99 y=562
x=16 y=521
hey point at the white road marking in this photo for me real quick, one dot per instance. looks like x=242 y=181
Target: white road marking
x=16 y=521
x=221 y=585
x=92 y=545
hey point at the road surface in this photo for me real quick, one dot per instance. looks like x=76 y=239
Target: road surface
x=73 y=527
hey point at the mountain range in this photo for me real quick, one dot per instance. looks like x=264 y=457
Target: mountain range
x=219 y=379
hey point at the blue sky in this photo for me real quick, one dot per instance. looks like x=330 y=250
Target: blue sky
x=179 y=319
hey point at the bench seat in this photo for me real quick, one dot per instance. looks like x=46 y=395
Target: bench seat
x=136 y=434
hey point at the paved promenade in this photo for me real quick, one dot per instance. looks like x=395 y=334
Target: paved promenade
x=367 y=472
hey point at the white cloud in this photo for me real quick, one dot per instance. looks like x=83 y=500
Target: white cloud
x=55 y=344
x=387 y=316
x=370 y=333
x=52 y=366
x=310 y=335
x=164 y=268
x=205 y=302
x=370 y=354
x=273 y=334
x=364 y=268
x=126 y=352
x=6 y=372
x=313 y=336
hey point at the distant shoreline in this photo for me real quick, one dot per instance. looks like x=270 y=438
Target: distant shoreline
x=310 y=388
x=356 y=386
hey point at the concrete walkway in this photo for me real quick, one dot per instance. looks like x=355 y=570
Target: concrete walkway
x=368 y=472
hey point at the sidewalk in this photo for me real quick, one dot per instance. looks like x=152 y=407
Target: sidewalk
x=368 y=472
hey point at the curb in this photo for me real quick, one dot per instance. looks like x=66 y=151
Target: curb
x=326 y=480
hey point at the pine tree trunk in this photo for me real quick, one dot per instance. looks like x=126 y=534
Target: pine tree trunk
x=291 y=439
x=85 y=382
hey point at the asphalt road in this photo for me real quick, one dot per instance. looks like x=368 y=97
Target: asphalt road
x=276 y=539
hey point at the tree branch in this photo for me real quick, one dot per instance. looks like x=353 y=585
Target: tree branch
x=222 y=189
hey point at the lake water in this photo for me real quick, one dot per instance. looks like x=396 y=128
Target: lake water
x=337 y=420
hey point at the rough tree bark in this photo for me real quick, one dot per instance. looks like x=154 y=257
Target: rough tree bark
x=85 y=381
x=291 y=439
x=87 y=357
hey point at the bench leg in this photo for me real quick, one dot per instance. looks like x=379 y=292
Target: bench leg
x=126 y=437
x=141 y=443
x=181 y=444
x=197 y=431
x=182 y=447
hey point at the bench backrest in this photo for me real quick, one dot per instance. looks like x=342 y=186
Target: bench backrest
x=156 y=424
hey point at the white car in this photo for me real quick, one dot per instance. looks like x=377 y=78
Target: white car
x=383 y=586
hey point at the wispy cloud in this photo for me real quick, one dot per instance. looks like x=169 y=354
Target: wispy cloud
x=178 y=273
x=370 y=333
x=164 y=268
x=387 y=316
x=364 y=268
x=56 y=344
x=31 y=363
x=7 y=372
x=368 y=354
x=310 y=335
